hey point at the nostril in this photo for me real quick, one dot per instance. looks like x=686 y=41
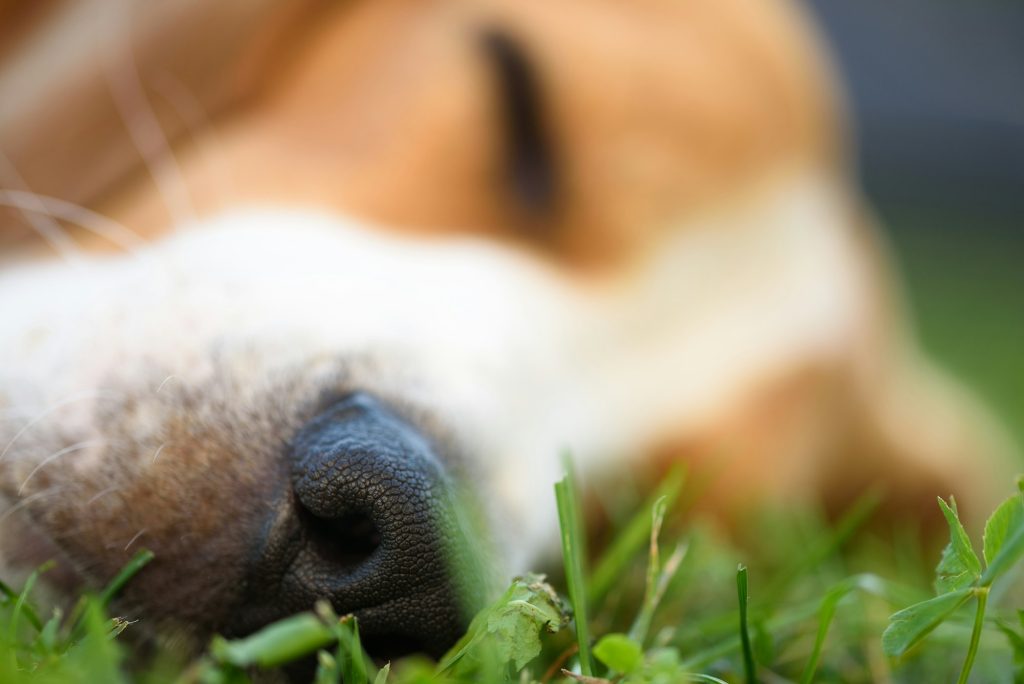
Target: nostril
x=345 y=542
x=369 y=525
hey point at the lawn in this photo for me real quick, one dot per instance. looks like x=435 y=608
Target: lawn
x=783 y=598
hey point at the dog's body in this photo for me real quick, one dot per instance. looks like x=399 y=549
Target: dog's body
x=623 y=230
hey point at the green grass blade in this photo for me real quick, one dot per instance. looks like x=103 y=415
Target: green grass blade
x=276 y=644
x=829 y=604
x=23 y=607
x=638 y=632
x=705 y=678
x=729 y=644
x=748 y=656
x=851 y=521
x=572 y=552
x=97 y=657
x=631 y=539
x=658 y=575
x=131 y=568
x=48 y=634
x=27 y=610
x=828 y=611
x=327 y=671
x=350 y=652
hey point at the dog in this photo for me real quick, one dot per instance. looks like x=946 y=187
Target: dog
x=279 y=278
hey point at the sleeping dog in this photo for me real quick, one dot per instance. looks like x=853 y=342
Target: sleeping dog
x=278 y=279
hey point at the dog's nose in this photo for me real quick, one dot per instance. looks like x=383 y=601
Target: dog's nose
x=371 y=529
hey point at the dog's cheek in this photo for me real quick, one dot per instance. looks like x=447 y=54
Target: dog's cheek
x=188 y=472
x=199 y=508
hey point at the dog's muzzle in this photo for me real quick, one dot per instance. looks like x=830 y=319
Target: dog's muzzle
x=369 y=525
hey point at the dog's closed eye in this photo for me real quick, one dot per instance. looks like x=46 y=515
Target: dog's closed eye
x=529 y=164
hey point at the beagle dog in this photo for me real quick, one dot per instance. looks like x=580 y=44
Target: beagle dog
x=279 y=278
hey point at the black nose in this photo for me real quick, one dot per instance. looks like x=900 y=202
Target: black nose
x=370 y=527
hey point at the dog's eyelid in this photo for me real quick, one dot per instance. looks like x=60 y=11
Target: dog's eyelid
x=530 y=164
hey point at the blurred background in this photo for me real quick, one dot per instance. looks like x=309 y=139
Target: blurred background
x=937 y=93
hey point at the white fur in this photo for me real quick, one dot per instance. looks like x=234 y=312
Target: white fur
x=522 y=360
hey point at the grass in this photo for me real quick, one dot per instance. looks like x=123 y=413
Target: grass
x=785 y=597
x=573 y=542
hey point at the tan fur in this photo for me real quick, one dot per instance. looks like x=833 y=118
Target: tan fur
x=661 y=107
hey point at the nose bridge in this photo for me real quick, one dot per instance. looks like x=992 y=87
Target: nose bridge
x=359 y=457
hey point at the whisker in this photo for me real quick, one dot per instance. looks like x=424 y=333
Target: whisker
x=38 y=218
x=135 y=538
x=81 y=396
x=28 y=500
x=157 y=452
x=166 y=380
x=97 y=224
x=143 y=127
x=96 y=497
x=201 y=130
x=80 y=446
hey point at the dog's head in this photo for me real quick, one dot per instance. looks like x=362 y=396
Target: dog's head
x=429 y=247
